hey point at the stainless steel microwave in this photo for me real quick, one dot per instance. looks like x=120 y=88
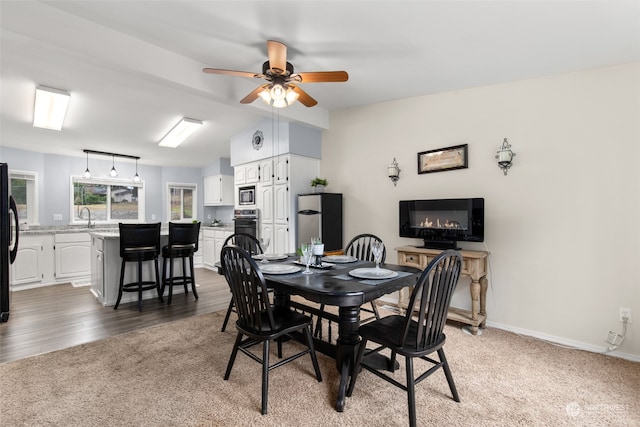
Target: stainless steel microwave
x=247 y=195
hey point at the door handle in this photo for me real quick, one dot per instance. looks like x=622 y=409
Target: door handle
x=13 y=208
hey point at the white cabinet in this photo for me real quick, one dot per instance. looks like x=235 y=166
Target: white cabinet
x=97 y=270
x=72 y=255
x=208 y=248
x=266 y=172
x=212 y=241
x=34 y=260
x=247 y=174
x=218 y=190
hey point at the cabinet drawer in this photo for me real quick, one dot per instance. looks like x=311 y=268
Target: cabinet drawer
x=72 y=237
x=411 y=259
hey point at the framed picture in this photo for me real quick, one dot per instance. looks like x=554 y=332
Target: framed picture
x=443 y=159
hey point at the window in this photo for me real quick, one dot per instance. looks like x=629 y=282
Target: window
x=108 y=200
x=24 y=192
x=182 y=202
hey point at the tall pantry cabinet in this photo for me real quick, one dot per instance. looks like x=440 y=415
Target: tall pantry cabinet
x=281 y=179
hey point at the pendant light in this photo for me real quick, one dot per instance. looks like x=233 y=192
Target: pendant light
x=136 y=177
x=113 y=173
x=87 y=172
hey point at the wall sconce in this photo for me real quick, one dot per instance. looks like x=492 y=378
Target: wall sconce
x=505 y=156
x=394 y=172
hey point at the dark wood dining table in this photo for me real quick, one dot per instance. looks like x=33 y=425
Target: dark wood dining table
x=336 y=287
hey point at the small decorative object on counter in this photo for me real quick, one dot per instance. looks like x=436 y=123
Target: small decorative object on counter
x=318 y=184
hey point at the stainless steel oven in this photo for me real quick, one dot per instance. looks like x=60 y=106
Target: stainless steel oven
x=247 y=195
x=246 y=221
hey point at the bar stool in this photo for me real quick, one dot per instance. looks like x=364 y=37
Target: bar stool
x=183 y=244
x=139 y=243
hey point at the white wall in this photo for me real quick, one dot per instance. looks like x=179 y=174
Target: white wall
x=562 y=227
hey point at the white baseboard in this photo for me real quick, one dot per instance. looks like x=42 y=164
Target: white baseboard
x=565 y=342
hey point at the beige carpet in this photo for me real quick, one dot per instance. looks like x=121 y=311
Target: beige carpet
x=171 y=375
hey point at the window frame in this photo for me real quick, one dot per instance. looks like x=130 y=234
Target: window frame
x=32 y=193
x=182 y=185
x=109 y=182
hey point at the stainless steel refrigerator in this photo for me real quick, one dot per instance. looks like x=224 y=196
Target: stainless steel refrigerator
x=320 y=215
x=8 y=245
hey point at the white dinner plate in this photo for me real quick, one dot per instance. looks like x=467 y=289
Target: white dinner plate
x=372 y=273
x=270 y=257
x=278 y=268
x=339 y=259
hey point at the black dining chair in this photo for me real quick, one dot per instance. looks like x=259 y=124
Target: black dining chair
x=139 y=243
x=182 y=245
x=258 y=320
x=417 y=334
x=250 y=244
x=359 y=247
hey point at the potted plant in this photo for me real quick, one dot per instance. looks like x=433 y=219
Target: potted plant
x=318 y=184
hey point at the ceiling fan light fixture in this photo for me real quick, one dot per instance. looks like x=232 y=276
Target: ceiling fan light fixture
x=279 y=96
x=180 y=132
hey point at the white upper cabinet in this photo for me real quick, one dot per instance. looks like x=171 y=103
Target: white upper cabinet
x=218 y=190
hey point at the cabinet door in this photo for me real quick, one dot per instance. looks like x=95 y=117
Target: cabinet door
x=264 y=201
x=26 y=268
x=281 y=239
x=240 y=173
x=266 y=231
x=281 y=169
x=266 y=172
x=97 y=274
x=252 y=173
x=281 y=203
x=208 y=251
x=73 y=255
x=212 y=190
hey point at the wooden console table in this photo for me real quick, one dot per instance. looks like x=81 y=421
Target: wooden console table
x=474 y=265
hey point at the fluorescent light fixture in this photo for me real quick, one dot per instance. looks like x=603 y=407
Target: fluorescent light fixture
x=50 y=108
x=180 y=132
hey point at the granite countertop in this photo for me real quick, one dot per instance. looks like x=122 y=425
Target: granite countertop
x=100 y=230
x=35 y=230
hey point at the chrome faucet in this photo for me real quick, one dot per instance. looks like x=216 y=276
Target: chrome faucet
x=89 y=211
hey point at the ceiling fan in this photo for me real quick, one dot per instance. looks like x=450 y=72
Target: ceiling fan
x=281 y=89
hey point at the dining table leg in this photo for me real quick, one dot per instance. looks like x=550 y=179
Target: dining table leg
x=347 y=345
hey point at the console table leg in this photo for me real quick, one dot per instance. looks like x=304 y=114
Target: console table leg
x=475 y=299
x=484 y=284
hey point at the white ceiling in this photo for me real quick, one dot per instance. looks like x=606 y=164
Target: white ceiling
x=133 y=68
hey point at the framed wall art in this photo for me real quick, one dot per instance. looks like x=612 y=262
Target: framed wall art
x=443 y=159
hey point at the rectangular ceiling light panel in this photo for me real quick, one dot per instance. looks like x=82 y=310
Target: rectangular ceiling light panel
x=50 y=108
x=180 y=132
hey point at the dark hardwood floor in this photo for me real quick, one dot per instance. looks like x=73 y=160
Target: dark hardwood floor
x=60 y=316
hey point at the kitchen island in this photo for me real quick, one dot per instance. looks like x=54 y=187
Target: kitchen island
x=106 y=264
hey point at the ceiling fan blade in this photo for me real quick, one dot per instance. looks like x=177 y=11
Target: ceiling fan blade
x=304 y=97
x=254 y=94
x=277 y=56
x=323 y=76
x=231 y=72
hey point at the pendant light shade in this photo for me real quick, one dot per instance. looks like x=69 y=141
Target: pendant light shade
x=87 y=172
x=136 y=177
x=113 y=172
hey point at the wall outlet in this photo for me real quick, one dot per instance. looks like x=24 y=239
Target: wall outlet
x=153 y=216
x=57 y=217
x=625 y=312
